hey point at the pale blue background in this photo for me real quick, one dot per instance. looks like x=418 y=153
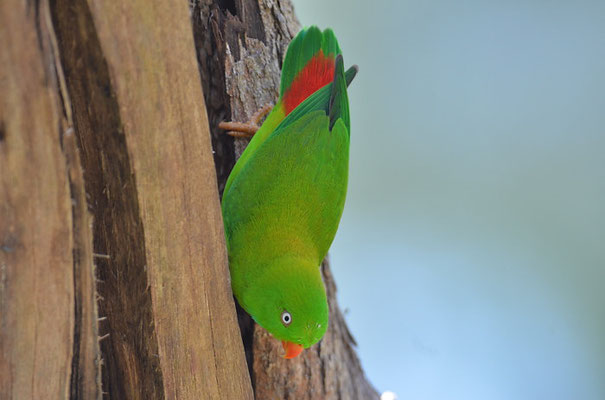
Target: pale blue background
x=471 y=254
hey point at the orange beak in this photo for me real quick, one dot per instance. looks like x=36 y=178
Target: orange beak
x=292 y=349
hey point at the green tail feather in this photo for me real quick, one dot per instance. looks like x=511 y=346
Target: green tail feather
x=304 y=47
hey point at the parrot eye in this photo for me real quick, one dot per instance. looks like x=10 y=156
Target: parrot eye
x=286 y=318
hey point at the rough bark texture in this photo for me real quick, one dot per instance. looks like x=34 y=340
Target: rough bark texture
x=240 y=46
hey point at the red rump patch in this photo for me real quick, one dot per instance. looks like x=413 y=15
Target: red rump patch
x=318 y=72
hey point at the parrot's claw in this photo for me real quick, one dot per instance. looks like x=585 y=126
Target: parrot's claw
x=245 y=129
x=239 y=129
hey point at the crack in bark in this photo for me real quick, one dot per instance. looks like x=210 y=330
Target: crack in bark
x=130 y=366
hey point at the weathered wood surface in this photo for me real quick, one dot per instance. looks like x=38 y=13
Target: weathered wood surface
x=86 y=359
x=136 y=153
x=48 y=320
x=240 y=46
x=140 y=118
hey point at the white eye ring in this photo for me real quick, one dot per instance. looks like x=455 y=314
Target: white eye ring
x=286 y=318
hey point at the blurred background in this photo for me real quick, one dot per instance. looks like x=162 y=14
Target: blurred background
x=471 y=255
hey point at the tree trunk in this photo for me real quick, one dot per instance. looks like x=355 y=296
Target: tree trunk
x=121 y=81
x=113 y=272
x=240 y=47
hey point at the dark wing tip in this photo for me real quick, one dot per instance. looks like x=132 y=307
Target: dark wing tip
x=351 y=73
x=338 y=95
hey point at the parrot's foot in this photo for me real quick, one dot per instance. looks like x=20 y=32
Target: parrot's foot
x=245 y=129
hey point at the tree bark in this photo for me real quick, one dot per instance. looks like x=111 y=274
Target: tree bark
x=113 y=271
x=241 y=45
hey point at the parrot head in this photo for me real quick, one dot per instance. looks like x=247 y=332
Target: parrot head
x=289 y=300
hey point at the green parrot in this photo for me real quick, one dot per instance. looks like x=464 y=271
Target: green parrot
x=283 y=200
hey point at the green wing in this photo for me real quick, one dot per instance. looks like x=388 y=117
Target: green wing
x=273 y=120
x=309 y=45
x=288 y=197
